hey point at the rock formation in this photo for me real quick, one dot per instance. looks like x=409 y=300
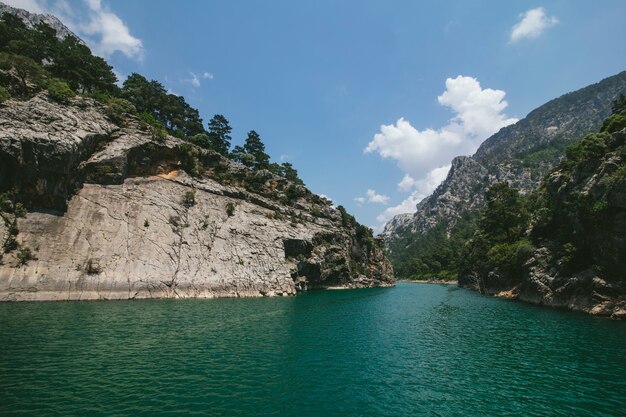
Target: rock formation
x=520 y=154
x=113 y=214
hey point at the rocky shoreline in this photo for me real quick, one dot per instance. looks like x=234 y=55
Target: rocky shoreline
x=107 y=212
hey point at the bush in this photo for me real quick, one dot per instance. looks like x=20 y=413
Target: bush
x=510 y=257
x=189 y=199
x=230 y=209
x=159 y=134
x=294 y=192
x=24 y=255
x=19 y=210
x=189 y=160
x=118 y=109
x=92 y=267
x=59 y=91
x=4 y=94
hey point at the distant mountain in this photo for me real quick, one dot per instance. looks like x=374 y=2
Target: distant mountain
x=33 y=19
x=520 y=154
x=564 y=244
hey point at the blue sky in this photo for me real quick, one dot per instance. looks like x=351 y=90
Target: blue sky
x=370 y=100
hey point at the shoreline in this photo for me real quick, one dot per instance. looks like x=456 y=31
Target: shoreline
x=430 y=281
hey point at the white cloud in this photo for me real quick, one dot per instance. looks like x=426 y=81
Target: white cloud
x=478 y=114
x=374 y=197
x=120 y=77
x=32 y=6
x=424 y=156
x=103 y=30
x=532 y=24
x=422 y=189
x=107 y=33
x=371 y=196
x=407 y=183
x=194 y=80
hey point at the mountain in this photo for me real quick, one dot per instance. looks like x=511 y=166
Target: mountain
x=100 y=211
x=111 y=192
x=520 y=154
x=33 y=19
x=562 y=245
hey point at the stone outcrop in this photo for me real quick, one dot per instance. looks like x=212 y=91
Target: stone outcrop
x=112 y=214
x=33 y=19
x=580 y=235
x=520 y=154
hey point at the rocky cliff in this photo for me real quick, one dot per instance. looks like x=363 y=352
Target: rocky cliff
x=571 y=254
x=33 y=19
x=97 y=210
x=520 y=154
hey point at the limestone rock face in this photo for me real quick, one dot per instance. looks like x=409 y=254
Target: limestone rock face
x=586 y=200
x=32 y=19
x=112 y=214
x=520 y=154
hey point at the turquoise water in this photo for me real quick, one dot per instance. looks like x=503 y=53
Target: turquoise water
x=416 y=349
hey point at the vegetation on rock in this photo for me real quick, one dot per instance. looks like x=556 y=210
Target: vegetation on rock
x=577 y=216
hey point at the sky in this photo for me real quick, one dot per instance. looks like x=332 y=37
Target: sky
x=369 y=100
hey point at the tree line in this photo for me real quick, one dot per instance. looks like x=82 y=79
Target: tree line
x=34 y=59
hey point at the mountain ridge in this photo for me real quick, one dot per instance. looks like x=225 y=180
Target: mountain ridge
x=520 y=154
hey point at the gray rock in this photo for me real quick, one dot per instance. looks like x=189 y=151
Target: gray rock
x=33 y=19
x=108 y=219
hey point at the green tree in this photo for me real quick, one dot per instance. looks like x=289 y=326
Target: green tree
x=504 y=218
x=59 y=91
x=4 y=94
x=27 y=72
x=289 y=172
x=219 y=134
x=255 y=147
x=240 y=155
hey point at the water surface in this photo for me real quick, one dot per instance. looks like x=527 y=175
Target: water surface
x=417 y=349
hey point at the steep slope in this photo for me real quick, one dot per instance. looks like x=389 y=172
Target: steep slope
x=568 y=251
x=520 y=154
x=113 y=213
x=33 y=19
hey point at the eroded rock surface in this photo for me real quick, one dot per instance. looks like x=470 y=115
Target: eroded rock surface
x=112 y=214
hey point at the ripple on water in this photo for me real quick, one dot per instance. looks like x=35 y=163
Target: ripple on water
x=411 y=350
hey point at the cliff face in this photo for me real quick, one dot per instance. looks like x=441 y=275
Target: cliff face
x=112 y=214
x=572 y=253
x=33 y=19
x=520 y=154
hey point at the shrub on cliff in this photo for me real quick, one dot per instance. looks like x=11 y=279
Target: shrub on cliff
x=4 y=94
x=118 y=109
x=59 y=91
x=189 y=199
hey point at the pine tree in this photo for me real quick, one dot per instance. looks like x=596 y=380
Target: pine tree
x=219 y=134
x=255 y=147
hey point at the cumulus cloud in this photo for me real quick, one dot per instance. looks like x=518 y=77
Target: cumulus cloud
x=371 y=196
x=424 y=155
x=207 y=75
x=478 y=114
x=107 y=33
x=421 y=189
x=374 y=197
x=532 y=24
x=103 y=30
